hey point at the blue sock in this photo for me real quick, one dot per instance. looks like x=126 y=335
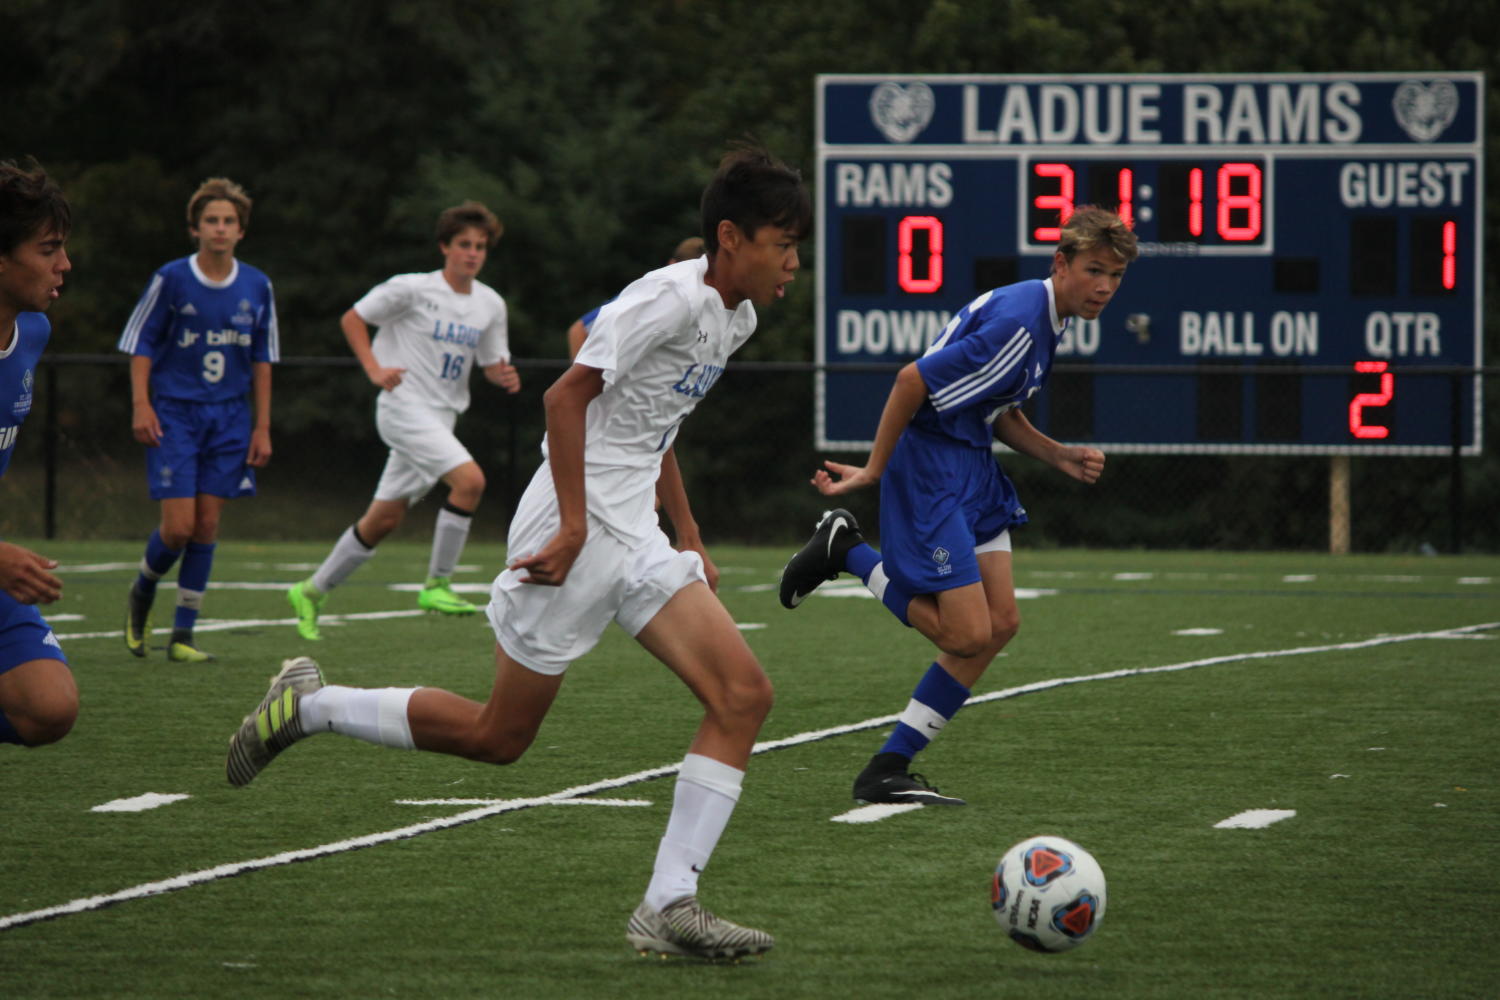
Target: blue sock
x=154 y=565
x=8 y=732
x=937 y=698
x=865 y=563
x=192 y=581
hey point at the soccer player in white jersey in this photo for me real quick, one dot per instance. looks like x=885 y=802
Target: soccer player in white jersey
x=586 y=548
x=202 y=336
x=686 y=249
x=946 y=506
x=38 y=698
x=434 y=328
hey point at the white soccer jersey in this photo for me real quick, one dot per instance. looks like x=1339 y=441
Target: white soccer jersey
x=662 y=344
x=435 y=334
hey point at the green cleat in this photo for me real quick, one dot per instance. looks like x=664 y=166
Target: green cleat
x=276 y=722
x=437 y=595
x=183 y=651
x=137 y=623
x=307 y=607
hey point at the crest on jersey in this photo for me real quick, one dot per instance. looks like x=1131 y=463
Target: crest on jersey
x=901 y=113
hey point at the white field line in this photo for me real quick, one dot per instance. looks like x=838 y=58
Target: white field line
x=189 y=879
x=228 y=624
x=1254 y=819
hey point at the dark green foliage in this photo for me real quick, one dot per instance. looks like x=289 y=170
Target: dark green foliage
x=590 y=127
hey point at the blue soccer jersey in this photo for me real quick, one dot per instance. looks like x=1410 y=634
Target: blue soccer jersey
x=24 y=636
x=203 y=336
x=992 y=356
x=18 y=378
x=587 y=319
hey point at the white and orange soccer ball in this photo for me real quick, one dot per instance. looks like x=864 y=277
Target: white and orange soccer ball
x=1048 y=894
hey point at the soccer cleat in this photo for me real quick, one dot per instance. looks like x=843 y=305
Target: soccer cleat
x=307 y=608
x=183 y=651
x=822 y=558
x=879 y=785
x=684 y=927
x=137 y=622
x=275 y=724
x=437 y=595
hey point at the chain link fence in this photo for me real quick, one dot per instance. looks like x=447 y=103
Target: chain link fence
x=746 y=454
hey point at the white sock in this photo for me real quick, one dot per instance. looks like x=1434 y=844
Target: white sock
x=702 y=803
x=375 y=715
x=348 y=555
x=448 y=538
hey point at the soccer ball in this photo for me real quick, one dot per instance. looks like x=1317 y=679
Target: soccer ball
x=1048 y=894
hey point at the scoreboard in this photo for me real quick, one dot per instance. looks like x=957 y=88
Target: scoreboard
x=1310 y=274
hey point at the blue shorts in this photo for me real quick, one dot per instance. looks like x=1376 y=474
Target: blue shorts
x=203 y=450
x=24 y=636
x=938 y=500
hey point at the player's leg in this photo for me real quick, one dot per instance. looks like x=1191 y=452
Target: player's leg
x=223 y=474
x=356 y=546
x=38 y=698
x=301 y=704
x=192 y=578
x=449 y=535
x=695 y=636
x=163 y=549
x=943 y=690
x=539 y=631
x=38 y=702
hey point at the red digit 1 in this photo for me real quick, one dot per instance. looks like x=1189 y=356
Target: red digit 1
x=934 y=228
x=1357 y=425
x=1248 y=201
x=1062 y=202
x=1125 y=187
x=1450 y=254
x=1195 y=201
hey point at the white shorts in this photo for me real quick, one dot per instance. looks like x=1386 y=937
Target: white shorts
x=1000 y=543
x=547 y=628
x=423 y=449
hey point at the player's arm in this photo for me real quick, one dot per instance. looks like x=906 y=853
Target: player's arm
x=143 y=423
x=566 y=405
x=260 y=401
x=1013 y=430
x=577 y=334
x=503 y=374
x=26 y=576
x=673 y=496
x=357 y=333
x=907 y=396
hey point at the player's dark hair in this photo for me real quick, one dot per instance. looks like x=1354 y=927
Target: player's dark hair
x=30 y=203
x=752 y=188
x=460 y=217
x=1090 y=226
x=219 y=189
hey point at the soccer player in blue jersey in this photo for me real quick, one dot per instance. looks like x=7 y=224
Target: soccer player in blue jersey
x=201 y=338
x=38 y=698
x=434 y=329
x=946 y=506
x=685 y=250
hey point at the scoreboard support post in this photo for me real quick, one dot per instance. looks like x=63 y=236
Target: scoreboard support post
x=1338 y=505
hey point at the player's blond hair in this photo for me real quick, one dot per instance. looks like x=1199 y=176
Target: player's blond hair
x=219 y=189
x=1090 y=226
x=689 y=249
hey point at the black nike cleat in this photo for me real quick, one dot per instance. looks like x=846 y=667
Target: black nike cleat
x=822 y=558
x=879 y=783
